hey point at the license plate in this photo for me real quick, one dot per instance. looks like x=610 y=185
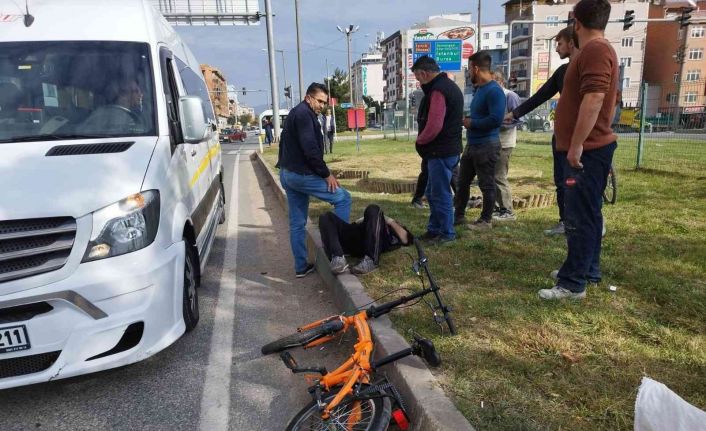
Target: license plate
x=13 y=339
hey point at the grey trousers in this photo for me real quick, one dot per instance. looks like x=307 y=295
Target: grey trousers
x=503 y=193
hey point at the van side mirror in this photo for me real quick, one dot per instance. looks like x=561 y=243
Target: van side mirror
x=193 y=122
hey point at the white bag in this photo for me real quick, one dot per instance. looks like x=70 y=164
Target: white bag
x=657 y=408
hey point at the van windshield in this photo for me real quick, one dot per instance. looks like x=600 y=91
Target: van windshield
x=75 y=90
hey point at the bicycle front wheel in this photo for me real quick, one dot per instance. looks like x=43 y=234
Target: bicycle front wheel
x=610 y=193
x=353 y=414
x=302 y=338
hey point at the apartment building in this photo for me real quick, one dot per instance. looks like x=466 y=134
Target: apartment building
x=533 y=49
x=368 y=77
x=675 y=64
x=217 y=89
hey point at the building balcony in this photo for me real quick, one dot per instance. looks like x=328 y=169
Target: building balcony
x=519 y=33
x=520 y=53
x=519 y=74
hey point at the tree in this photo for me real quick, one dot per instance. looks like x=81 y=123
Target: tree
x=370 y=103
x=338 y=85
x=232 y=120
x=245 y=119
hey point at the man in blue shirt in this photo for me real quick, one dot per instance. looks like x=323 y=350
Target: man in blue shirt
x=304 y=173
x=483 y=147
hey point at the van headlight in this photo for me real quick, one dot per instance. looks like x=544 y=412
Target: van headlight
x=124 y=227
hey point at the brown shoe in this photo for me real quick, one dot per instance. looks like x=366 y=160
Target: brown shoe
x=480 y=224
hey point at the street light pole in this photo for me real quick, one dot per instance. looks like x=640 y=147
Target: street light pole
x=273 y=68
x=348 y=31
x=299 y=51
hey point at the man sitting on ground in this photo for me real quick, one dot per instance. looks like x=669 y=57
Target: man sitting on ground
x=368 y=237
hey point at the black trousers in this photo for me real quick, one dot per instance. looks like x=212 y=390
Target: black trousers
x=477 y=160
x=369 y=238
x=424 y=177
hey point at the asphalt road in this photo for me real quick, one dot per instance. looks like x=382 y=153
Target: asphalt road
x=214 y=377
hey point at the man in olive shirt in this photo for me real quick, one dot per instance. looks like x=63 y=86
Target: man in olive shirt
x=583 y=130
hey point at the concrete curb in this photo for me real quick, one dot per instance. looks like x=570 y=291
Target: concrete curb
x=430 y=408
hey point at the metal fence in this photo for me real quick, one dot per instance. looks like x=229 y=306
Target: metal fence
x=659 y=130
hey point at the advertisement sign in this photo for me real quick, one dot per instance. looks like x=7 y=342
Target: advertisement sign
x=365 y=80
x=447 y=53
x=543 y=65
x=356 y=118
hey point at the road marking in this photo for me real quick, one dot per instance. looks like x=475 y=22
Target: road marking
x=215 y=400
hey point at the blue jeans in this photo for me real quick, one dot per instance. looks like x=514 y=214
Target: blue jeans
x=299 y=188
x=583 y=200
x=438 y=192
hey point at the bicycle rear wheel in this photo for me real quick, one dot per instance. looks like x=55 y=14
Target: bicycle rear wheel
x=302 y=338
x=610 y=193
x=367 y=414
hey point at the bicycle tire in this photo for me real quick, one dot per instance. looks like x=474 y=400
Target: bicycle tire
x=610 y=193
x=377 y=413
x=302 y=338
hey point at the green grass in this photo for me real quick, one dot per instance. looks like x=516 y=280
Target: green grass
x=522 y=364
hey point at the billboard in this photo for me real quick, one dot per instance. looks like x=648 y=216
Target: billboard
x=447 y=53
x=209 y=12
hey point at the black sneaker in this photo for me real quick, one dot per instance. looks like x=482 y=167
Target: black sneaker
x=427 y=236
x=308 y=270
x=440 y=240
x=459 y=221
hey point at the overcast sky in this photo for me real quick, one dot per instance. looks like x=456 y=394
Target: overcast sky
x=236 y=50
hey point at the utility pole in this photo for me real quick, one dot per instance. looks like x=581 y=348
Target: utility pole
x=478 y=28
x=333 y=107
x=348 y=31
x=299 y=51
x=273 y=69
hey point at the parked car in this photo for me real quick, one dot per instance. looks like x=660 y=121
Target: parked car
x=233 y=135
x=536 y=121
x=112 y=189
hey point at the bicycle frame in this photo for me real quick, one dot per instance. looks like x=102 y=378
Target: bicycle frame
x=359 y=368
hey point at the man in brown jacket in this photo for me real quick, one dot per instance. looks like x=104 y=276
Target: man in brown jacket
x=583 y=130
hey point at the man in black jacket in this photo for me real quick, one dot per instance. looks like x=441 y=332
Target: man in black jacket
x=304 y=173
x=439 y=144
x=565 y=48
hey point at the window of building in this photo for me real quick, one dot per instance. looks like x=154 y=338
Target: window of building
x=499 y=34
x=485 y=46
x=553 y=18
x=626 y=83
x=690 y=97
x=626 y=61
x=676 y=77
x=507 y=37
x=672 y=98
x=697 y=32
x=693 y=75
x=486 y=36
x=696 y=53
x=627 y=42
x=498 y=47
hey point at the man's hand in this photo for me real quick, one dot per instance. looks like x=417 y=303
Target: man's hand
x=509 y=118
x=467 y=123
x=574 y=157
x=332 y=183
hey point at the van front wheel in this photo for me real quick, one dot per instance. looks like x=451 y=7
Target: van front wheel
x=190 y=301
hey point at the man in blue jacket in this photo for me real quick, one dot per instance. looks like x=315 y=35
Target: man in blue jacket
x=483 y=148
x=303 y=172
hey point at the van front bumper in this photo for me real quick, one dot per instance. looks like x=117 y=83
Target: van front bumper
x=91 y=310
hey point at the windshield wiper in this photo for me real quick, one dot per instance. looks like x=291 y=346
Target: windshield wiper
x=53 y=137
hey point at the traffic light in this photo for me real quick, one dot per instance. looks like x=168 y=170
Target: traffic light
x=412 y=101
x=288 y=92
x=685 y=17
x=628 y=20
x=245 y=91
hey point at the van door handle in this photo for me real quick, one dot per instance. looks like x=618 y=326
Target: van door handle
x=193 y=153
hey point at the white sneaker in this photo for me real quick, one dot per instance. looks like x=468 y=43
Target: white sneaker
x=603 y=231
x=556 y=230
x=558 y=292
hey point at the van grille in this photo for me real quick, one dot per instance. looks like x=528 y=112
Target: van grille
x=34 y=246
x=24 y=365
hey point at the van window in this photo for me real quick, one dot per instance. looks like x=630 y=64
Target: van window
x=196 y=86
x=75 y=89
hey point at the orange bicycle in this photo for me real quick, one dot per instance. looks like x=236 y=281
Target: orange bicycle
x=351 y=397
